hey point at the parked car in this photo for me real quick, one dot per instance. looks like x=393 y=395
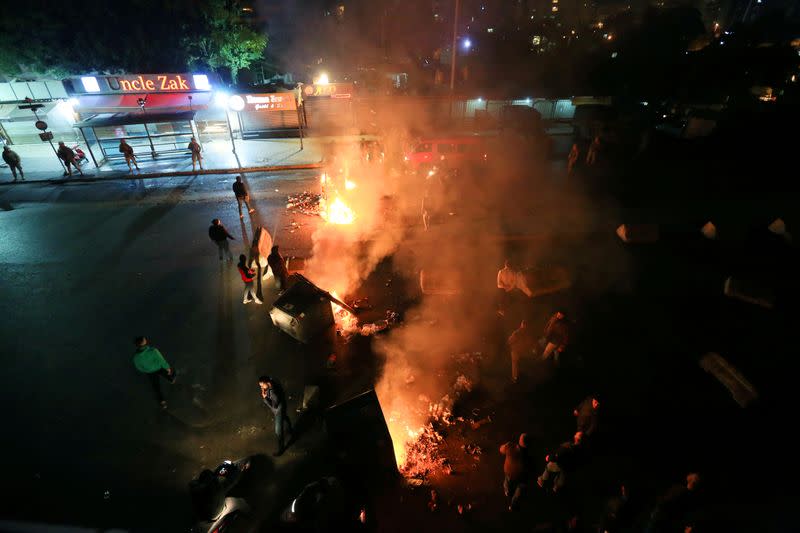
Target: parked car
x=448 y=151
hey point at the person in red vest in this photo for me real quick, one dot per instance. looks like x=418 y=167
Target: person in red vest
x=248 y=275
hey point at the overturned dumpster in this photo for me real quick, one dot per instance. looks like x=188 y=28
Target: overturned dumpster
x=304 y=310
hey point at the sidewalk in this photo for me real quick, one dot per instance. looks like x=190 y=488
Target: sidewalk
x=259 y=155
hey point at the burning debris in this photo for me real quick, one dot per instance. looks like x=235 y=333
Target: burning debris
x=305 y=203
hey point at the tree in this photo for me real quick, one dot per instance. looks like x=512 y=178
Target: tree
x=225 y=41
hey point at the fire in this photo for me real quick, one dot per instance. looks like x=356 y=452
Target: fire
x=338 y=212
x=346 y=322
x=349 y=185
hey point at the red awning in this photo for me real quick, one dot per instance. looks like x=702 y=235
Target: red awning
x=113 y=103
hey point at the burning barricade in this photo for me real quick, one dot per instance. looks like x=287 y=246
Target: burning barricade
x=421 y=447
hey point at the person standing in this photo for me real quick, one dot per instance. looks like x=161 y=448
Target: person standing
x=586 y=415
x=248 y=275
x=13 y=161
x=556 y=336
x=521 y=342
x=516 y=469
x=220 y=236
x=506 y=282
x=274 y=397
x=127 y=150
x=242 y=195
x=594 y=148
x=150 y=362
x=574 y=154
x=278 y=266
x=195 y=148
x=67 y=155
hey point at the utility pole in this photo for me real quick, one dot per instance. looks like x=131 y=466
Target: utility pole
x=453 y=49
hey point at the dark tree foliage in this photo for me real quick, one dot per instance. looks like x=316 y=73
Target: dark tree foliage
x=49 y=38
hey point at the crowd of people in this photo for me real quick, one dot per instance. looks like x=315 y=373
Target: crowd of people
x=149 y=360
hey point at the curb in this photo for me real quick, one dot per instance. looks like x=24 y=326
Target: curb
x=126 y=176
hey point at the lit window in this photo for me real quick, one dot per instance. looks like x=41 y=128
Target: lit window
x=489 y=30
x=555 y=9
x=90 y=84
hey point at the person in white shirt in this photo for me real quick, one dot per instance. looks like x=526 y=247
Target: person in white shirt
x=506 y=282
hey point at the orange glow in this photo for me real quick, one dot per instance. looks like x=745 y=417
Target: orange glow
x=349 y=185
x=346 y=322
x=337 y=212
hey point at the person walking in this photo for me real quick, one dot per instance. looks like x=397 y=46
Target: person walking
x=278 y=266
x=521 y=342
x=556 y=336
x=220 y=236
x=572 y=159
x=242 y=195
x=195 y=148
x=150 y=362
x=248 y=275
x=127 y=150
x=13 y=161
x=67 y=155
x=563 y=460
x=594 y=148
x=516 y=469
x=274 y=397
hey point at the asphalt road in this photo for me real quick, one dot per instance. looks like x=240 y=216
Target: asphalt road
x=85 y=267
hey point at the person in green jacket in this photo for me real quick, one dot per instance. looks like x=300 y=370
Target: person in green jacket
x=150 y=362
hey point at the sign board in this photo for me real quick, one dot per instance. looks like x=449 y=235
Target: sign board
x=332 y=90
x=141 y=83
x=46 y=136
x=41 y=125
x=263 y=102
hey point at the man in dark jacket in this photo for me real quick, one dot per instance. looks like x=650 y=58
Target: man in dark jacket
x=12 y=160
x=274 y=397
x=241 y=195
x=150 y=362
x=516 y=469
x=556 y=336
x=220 y=236
x=127 y=150
x=586 y=413
x=563 y=460
x=67 y=155
x=278 y=266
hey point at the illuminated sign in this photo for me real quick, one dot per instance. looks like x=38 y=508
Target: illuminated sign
x=263 y=102
x=333 y=90
x=151 y=83
x=143 y=83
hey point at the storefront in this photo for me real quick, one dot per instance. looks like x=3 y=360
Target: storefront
x=17 y=125
x=156 y=113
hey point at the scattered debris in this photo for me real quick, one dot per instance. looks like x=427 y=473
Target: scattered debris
x=305 y=203
x=246 y=431
x=476 y=424
x=472 y=449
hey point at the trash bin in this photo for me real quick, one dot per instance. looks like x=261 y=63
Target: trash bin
x=303 y=311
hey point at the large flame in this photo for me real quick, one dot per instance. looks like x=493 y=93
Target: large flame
x=338 y=212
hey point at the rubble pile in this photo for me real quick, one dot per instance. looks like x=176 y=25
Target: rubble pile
x=422 y=454
x=305 y=203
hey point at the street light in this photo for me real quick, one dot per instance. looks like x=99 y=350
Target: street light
x=322 y=79
x=467 y=44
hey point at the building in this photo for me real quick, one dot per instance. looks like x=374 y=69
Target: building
x=155 y=113
x=18 y=126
